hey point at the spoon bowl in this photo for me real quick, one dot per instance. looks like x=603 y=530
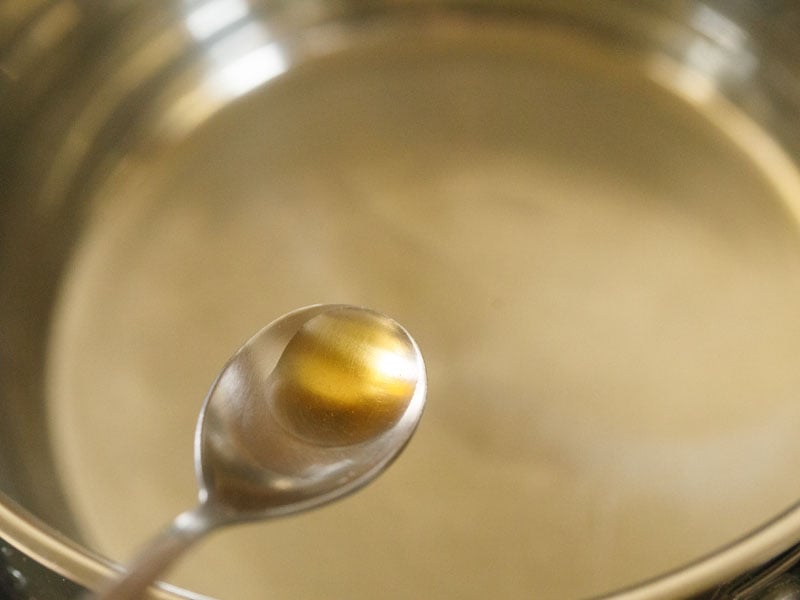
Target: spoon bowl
x=310 y=409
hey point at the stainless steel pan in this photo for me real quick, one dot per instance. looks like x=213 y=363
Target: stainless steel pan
x=586 y=212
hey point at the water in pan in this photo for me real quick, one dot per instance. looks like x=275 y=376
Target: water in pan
x=603 y=284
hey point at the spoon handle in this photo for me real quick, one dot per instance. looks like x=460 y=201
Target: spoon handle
x=158 y=555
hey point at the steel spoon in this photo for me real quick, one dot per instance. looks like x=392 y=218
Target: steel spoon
x=311 y=408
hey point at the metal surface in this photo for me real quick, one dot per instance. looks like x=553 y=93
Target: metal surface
x=105 y=102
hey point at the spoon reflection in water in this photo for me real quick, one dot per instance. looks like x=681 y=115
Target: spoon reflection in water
x=311 y=408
